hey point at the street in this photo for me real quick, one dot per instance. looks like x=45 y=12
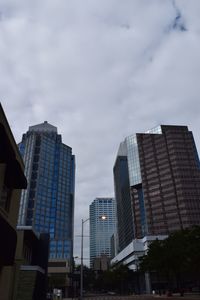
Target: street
x=138 y=297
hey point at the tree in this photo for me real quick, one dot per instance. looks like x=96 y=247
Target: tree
x=88 y=276
x=177 y=257
x=118 y=279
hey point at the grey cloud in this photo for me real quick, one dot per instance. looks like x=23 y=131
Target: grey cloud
x=99 y=71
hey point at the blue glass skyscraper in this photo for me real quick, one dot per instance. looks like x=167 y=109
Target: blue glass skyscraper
x=48 y=203
x=101 y=229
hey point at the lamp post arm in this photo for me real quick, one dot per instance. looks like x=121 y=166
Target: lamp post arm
x=83 y=221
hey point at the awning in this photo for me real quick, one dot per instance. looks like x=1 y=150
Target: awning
x=14 y=177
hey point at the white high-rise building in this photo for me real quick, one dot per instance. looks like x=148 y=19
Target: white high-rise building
x=102 y=227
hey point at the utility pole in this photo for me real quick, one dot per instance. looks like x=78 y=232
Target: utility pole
x=103 y=217
x=81 y=275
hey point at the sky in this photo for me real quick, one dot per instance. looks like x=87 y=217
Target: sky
x=99 y=70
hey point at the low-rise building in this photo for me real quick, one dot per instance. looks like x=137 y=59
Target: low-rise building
x=101 y=263
x=31 y=263
x=12 y=180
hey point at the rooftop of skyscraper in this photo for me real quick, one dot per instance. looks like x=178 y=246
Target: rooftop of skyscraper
x=44 y=127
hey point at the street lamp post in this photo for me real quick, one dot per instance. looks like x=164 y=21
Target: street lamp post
x=103 y=217
x=81 y=287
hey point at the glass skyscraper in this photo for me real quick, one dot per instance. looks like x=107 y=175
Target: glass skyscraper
x=48 y=202
x=125 y=227
x=101 y=229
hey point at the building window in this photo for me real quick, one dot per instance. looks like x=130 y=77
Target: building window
x=5 y=199
x=27 y=253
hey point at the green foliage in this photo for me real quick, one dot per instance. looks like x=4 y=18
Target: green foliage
x=178 y=254
x=88 y=276
x=116 y=279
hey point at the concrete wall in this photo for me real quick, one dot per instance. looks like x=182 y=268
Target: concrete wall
x=27 y=281
x=6 y=282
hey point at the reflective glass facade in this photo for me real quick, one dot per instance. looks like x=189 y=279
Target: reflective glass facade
x=101 y=230
x=125 y=229
x=48 y=202
x=155 y=130
x=133 y=160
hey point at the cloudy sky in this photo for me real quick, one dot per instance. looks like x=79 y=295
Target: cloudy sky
x=99 y=70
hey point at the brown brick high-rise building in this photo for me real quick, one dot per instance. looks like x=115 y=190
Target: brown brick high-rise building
x=168 y=197
x=164 y=178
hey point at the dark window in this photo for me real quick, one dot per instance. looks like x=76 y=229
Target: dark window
x=36 y=158
x=33 y=184
x=35 y=167
x=32 y=194
x=5 y=199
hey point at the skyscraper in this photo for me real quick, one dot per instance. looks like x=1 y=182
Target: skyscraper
x=48 y=203
x=166 y=188
x=164 y=184
x=125 y=233
x=164 y=178
x=101 y=229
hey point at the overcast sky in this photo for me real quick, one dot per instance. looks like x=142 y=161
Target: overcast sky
x=99 y=70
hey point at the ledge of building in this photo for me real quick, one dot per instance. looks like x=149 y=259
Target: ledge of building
x=32 y=268
x=137 y=248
